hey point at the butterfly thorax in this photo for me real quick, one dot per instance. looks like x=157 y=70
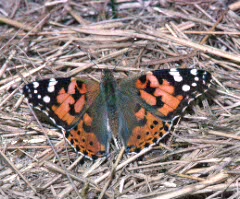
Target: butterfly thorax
x=108 y=89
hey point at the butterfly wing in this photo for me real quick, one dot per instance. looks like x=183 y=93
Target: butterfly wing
x=138 y=127
x=157 y=99
x=69 y=104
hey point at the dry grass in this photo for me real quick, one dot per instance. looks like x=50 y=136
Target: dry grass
x=200 y=159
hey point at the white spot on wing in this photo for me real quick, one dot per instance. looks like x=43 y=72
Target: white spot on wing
x=185 y=87
x=178 y=78
x=51 y=89
x=35 y=84
x=176 y=75
x=194 y=84
x=173 y=70
x=39 y=96
x=46 y=99
x=51 y=85
x=35 y=91
x=52 y=82
x=193 y=71
x=196 y=78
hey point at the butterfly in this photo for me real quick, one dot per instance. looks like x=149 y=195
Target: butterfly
x=139 y=110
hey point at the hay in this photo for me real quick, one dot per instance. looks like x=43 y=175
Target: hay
x=200 y=159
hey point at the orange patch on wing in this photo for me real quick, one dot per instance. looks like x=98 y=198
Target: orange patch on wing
x=72 y=87
x=87 y=119
x=61 y=110
x=69 y=119
x=64 y=107
x=165 y=86
x=166 y=83
x=141 y=85
x=167 y=99
x=62 y=113
x=62 y=97
x=150 y=99
x=62 y=91
x=153 y=81
x=80 y=103
x=166 y=110
x=136 y=139
x=140 y=114
x=179 y=97
x=83 y=89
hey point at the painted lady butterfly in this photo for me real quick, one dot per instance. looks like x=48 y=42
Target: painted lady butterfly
x=140 y=110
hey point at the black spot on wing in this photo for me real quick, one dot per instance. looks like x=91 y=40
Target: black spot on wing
x=137 y=108
x=149 y=89
x=76 y=96
x=142 y=122
x=159 y=103
x=86 y=128
x=143 y=79
x=72 y=109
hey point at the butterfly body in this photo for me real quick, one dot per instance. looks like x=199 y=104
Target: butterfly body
x=138 y=110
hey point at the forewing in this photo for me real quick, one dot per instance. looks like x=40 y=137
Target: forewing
x=167 y=93
x=63 y=100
